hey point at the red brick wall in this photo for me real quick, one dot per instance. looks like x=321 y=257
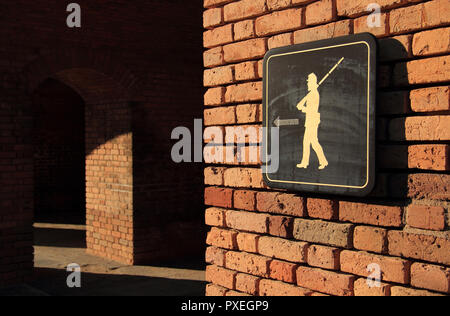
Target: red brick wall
x=138 y=70
x=264 y=242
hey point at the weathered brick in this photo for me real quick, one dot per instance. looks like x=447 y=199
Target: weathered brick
x=222 y=238
x=431 y=42
x=246 y=71
x=212 y=17
x=247 y=242
x=331 y=30
x=325 y=281
x=215 y=217
x=218 y=36
x=220 y=116
x=281 y=226
x=244 y=30
x=215 y=256
x=283 y=249
x=221 y=276
x=315 y=231
x=283 y=271
x=244 y=9
x=219 y=197
x=215 y=96
x=218 y=76
x=213 y=57
x=248 y=263
x=430 y=99
x=245 y=221
x=213 y=290
x=422 y=71
x=277 y=288
x=245 y=200
x=244 y=92
x=403 y=291
x=214 y=176
x=380 y=215
x=392 y=269
x=246 y=50
x=372 y=239
x=247 y=284
x=281 y=40
x=422 y=247
x=430 y=277
x=279 y=21
x=426 y=217
x=243 y=178
x=280 y=203
x=363 y=289
x=323 y=209
x=324 y=257
x=320 y=12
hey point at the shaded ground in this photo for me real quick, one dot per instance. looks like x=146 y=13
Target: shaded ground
x=57 y=246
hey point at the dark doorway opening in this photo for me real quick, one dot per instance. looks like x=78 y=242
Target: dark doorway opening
x=59 y=154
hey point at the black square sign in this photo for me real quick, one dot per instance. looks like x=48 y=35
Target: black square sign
x=319 y=98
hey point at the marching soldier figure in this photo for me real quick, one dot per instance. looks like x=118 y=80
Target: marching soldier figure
x=310 y=106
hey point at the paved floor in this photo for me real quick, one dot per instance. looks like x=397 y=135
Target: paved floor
x=57 y=246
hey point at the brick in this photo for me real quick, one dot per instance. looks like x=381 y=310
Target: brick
x=247 y=284
x=424 y=128
x=245 y=221
x=372 y=239
x=246 y=50
x=283 y=249
x=277 y=288
x=426 y=217
x=219 y=197
x=281 y=226
x=320 y=12
x=213 y=290
x=215 y=3
x=280 y=203
x=222 y=238
x=213 y=57
x=430 y=277
x=244 y=92
x=236 y=294
x=283 y=271
x=395 y=48
x=220 y=116
x=325 y=281
x=281 y=40
x=403 y=291
x=247 y=242
x=279 y=21
x=379 y=215
x=215 y=256
x=214 y=176
x=420 y=16
x=243 y=178
x=214 y=96
x=392 y=269
x=247 y=263
x=244 y=9
x=421 y=247
x=324 y=257
x=321 y=32
x=315 y=231
x=422 y=71
x=361 y=26
x=244 y=30
x=245 y=200
x=363 y=289
x=215 y=217
x=278 y=4
x=212 y=17
x=218 y=36
x=353 y=8
x=218 y=76
x=221 y=276
x=247 y=113
x=422 y=186
x=323 y=209
x=431 y=42
x=429 y=157
x=246 y=71
x=430 y=99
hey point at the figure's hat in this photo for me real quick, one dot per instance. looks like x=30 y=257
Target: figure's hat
x=312 y=78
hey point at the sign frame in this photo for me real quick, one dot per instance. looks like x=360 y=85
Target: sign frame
x=327 y=188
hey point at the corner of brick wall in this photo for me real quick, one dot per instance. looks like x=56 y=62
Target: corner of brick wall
x=265 y=242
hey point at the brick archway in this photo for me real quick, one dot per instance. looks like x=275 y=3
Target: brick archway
x=107 y=89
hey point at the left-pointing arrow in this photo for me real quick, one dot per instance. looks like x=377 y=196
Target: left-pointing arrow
x=290 y=122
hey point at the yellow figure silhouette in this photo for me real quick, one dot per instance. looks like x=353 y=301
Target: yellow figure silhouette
x=310 y=106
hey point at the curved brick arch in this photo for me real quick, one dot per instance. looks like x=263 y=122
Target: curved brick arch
x=108 y=64
x=107 y=88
